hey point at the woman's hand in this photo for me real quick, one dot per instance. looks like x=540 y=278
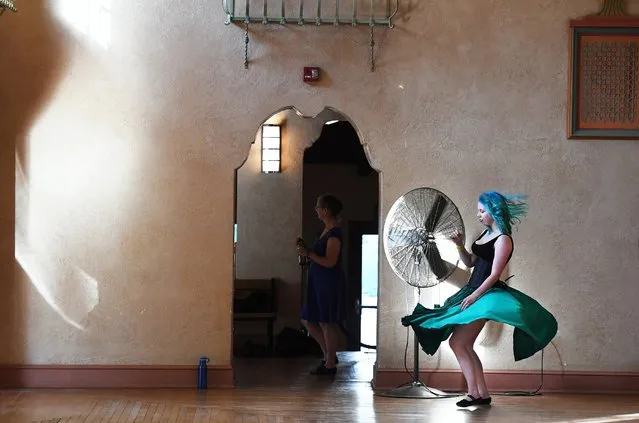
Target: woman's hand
x=301 y=250
x=468 y=301
x=458 y=239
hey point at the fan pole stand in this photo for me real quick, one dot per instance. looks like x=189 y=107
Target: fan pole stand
x=416 y=223
x=414 y=388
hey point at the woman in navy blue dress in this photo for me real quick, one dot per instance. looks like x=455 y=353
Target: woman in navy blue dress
x=324 y=308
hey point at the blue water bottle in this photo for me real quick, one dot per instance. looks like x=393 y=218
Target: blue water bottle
x=202 y=372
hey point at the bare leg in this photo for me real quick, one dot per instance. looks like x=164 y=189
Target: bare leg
x=466 y=362
x=330 y=337
x=461 y=343
x=479 y=375
x=317 y=333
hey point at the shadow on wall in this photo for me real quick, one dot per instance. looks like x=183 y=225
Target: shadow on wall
x=30 y=64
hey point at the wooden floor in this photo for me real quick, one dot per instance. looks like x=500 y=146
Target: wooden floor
x=276 y=390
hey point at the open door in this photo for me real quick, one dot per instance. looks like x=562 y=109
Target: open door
x=363 y=256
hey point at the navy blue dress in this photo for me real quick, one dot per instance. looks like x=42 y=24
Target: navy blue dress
x=325 y=293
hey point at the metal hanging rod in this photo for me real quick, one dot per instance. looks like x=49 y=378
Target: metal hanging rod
x=371 y=19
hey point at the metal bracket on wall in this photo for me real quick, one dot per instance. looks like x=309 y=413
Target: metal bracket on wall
x=350 y=12
x=7 y=4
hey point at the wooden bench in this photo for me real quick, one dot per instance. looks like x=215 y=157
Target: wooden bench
x=256 y=300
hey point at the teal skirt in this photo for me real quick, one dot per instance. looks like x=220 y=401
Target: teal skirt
x=534 y=326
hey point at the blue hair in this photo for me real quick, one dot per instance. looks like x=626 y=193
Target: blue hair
x=506 y=210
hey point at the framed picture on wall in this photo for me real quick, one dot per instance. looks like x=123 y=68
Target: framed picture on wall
x=603 y=99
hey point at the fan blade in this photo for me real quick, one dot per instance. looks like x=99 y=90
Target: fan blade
x=400 y=236
x=435 y=213
x=439 y=267
x=416 y=225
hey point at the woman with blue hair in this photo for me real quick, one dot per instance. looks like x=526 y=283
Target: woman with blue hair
x=485 y=297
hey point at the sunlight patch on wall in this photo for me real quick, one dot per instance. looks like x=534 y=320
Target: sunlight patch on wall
x=36 y=252
x=74 y=191
x=91 y=18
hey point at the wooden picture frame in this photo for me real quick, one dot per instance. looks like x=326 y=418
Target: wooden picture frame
x=603 y=91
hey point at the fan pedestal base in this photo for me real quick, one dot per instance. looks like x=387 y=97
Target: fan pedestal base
x=416 y=390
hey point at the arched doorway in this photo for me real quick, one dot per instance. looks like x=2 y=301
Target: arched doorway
x=293 y=159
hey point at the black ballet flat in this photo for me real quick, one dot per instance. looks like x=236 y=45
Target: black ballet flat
x=323 y=370
x=336 y=361
x=470 y=400
x=485 y=401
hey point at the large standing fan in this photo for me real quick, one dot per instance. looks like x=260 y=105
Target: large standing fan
x=417 y=244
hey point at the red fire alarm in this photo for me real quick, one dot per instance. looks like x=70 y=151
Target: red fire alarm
x=311 y=74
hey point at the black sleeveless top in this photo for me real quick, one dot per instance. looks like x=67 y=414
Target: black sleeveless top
x=485 y=256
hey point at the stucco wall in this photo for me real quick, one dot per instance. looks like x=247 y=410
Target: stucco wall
x=128 y=155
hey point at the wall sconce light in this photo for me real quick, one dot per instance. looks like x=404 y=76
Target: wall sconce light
x=271 y=148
